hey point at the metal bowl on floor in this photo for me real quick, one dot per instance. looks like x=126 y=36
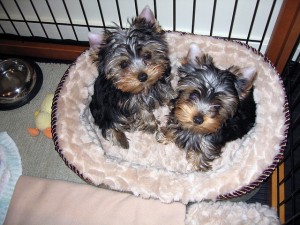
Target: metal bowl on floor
x=20 y=81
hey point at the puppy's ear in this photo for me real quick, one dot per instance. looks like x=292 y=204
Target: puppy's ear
x=245 y=79
x=196 y=57
x=147 y=14
x=194 y=54
x=95 y=41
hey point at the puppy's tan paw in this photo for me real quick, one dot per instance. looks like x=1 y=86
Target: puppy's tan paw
x=161 y=138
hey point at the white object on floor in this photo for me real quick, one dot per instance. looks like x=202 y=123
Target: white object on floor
x=10 y=171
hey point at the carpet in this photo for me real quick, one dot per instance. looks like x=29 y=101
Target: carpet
x=10 y=171
x=39 y=158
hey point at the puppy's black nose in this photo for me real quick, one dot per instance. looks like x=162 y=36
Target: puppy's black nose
x=198 y=120
x=142 y=77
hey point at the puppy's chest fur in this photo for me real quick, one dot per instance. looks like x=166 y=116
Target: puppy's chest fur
x=124 y=110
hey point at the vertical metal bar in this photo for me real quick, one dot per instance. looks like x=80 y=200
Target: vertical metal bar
x=295 y=102
x=252 y=21
x=292 y=158
x=101 y=14
x=53 y=17
x=193 y=18
x=267 y=24
x=3 y=31
x=39 y=19
x=136 y=8
x=292 y=143
x=232 y=18
x=84 y=14
x=24 y=18
x=119 y=14
x=213 y=18
x=70 y=20
x=155 y=8
x=290 y=137
x=10 y=20
x=174 y=15
x=278 y=192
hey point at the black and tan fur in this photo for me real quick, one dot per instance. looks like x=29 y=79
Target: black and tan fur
x=134 y=78
x=213 y=106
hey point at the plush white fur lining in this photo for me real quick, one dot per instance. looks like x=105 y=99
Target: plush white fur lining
x=233 y=213
x=150 y=169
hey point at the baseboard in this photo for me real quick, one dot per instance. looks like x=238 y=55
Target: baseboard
x=41 y=50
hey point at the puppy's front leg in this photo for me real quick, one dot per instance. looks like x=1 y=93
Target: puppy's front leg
x=118 y=138
x=164 y=135
x=197 y=161
x=146 y=122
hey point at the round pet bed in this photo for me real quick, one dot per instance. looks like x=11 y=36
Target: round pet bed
x=154 y=170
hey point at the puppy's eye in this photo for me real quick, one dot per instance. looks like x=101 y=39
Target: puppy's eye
x=147 y=56
x=124 y=64
x=194 y=96
x=215 y=108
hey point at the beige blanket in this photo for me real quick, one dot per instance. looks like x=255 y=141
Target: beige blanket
x=41 y=201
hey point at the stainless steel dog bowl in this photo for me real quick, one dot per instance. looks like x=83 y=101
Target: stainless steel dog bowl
x=19 y=83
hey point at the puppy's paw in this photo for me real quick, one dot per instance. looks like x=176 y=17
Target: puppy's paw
x=191 y=167
x=161 y=137
x=196 y=162
x=146 y=122
x=151 y=127
x=120 y=139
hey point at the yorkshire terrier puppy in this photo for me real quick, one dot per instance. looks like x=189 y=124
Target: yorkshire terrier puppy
x=213 y=106
x=134 y=78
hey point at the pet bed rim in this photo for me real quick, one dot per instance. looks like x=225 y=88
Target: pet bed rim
x=235 y=194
